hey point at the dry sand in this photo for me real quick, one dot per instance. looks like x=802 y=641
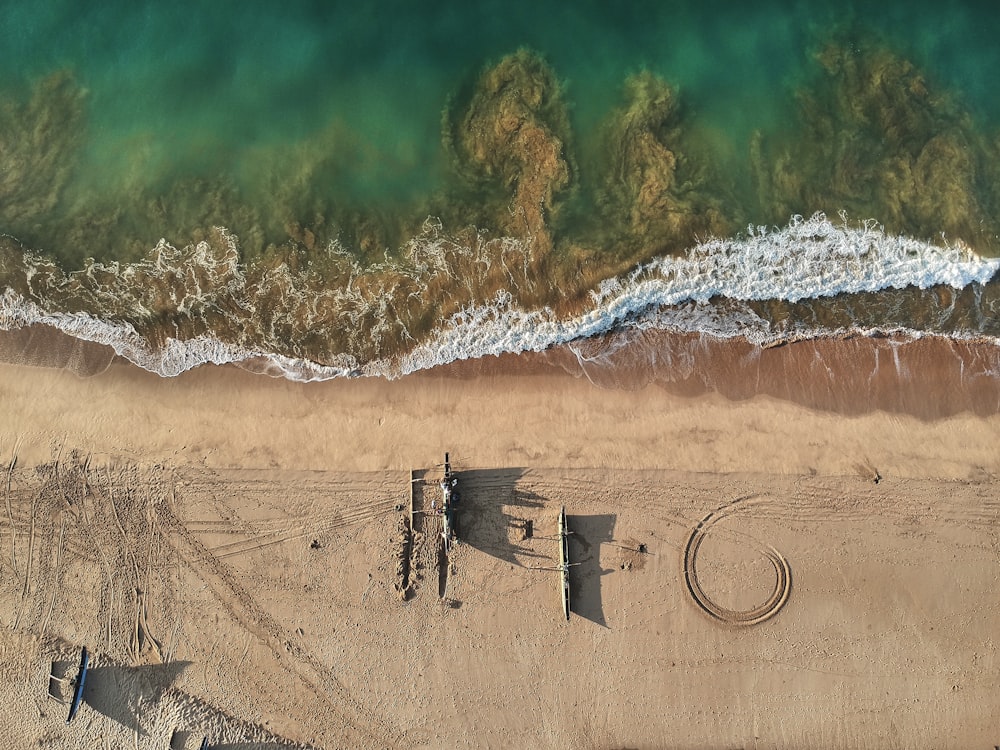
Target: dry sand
x=226 y=546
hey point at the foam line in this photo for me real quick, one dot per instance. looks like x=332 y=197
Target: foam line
x=809 y=258
x=701 y=292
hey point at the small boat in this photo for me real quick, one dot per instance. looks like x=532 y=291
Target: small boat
x=564 y=561
x=449 y=498
x=81 y=679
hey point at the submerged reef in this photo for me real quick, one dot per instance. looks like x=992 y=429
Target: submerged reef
x=656 y=193
x=509 y=140
x=876 y=139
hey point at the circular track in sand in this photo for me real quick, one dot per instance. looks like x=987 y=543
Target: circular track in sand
x=758 y=614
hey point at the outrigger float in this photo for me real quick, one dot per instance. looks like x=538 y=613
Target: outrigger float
x=78 y=683
x=564 y=563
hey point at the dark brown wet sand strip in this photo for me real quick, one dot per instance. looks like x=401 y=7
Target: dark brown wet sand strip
x=929 y=378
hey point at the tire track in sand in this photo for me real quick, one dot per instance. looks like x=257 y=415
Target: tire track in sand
x=242 y=607
x=754 y=616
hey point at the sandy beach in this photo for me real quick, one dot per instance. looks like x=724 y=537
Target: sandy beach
x=226 y=546
x=521 y=375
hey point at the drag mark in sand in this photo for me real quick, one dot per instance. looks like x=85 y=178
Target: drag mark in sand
x=242 y=606
x=27 y=568
x=275 y=531
x=754 y=616
x=10 y=514
x=58 y=574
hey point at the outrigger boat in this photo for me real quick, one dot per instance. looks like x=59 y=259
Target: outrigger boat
x=564 y=561
x=449 y=498
x=81 y=678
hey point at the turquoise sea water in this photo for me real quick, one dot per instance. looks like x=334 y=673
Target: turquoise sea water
x=300 y=124
x=208 y=89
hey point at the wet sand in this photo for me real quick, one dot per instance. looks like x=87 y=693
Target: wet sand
x=226 y=545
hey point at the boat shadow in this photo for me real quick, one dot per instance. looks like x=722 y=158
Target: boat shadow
x=586 y=535
x=124 y=694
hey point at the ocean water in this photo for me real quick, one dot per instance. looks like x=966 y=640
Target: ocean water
x=324 y=189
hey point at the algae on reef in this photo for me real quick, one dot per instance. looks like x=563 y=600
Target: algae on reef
x=512 y=135
x=39 y=143
x=875 y=139
x=656 y=194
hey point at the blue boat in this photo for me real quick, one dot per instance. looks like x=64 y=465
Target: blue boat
x=81 y=679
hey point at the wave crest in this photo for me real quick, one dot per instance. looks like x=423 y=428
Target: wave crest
x=809 y=258
x=205 y=306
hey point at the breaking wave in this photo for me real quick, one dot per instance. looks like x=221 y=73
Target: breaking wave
x=720 y=287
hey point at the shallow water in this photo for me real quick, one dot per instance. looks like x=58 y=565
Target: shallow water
x=329 y=189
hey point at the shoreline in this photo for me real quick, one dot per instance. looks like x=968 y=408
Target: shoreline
x=543 y=410
x=931 y=377
x=251 y=521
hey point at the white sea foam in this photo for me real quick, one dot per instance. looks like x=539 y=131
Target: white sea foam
x=809 y=258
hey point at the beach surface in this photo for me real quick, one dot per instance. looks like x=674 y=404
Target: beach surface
x=228 y=546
